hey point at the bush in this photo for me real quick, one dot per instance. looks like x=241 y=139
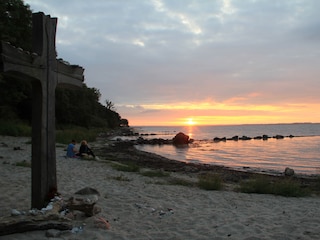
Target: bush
x=78 y=134
x=210 y=181
x=23 y=163
x=14 y=129
x=262 y=185
x=258 y=185
x=289 y=188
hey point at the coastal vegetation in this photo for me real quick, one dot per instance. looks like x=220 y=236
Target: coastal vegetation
x=78 y=133
x=213 y=181
x=76 y=109
x=155 y=173
x=263 y=185
x=23 y=163
x=210 y=181
x=126 y=167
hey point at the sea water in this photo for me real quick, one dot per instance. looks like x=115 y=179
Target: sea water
x=300 y=152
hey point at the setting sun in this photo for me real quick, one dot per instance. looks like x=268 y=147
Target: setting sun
x=190 y=121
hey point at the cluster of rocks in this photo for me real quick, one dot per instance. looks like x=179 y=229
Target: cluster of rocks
x=263 y=137
x=181 y=139
x=153 y=141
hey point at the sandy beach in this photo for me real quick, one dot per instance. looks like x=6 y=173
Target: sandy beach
x=140 y=207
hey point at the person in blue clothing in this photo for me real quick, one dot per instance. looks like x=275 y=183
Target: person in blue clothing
x=71 y=150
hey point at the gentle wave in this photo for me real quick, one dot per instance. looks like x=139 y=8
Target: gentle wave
x=273 y=155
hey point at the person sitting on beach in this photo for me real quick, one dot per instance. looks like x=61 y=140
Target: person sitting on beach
x=84 y=150
x=71 y=149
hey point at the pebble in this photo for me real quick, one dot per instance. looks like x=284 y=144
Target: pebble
x=15 y=212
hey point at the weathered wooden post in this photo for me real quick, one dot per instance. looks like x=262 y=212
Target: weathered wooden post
x=45 y=72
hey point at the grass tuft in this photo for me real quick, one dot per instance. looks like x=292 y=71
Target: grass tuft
x=262 y=185
x=14 y=129
x=210 y=181
x=180 y=182
x=127 y=167
x=23 y=163
x=289 y=188
x=258 y=185
x=157 y=173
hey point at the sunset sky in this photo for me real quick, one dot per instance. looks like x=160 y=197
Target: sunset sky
x=173 y=62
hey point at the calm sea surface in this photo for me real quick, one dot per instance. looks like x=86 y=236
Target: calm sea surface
x=302 y=152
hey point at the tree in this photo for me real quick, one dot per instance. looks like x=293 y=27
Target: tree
x=16 y=23
x=124 y=122
x=16 y=28
x=78 y=108
x=110 y=105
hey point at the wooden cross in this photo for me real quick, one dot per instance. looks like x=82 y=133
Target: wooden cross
x=45 y=72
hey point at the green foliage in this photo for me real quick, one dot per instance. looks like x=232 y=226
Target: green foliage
x=80 y=107
x=157 y=173
x=16 y=23
x=124 y=122
x=14 y=129
x=257 y=185
x=262 y=185
x=23 y=163
x=15 y=101
x=180 y=182
x=127 y=167
x=210 y=181
x=289 y=188
x=76 y=107
x=76 y=133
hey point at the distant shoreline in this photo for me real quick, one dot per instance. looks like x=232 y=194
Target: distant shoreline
x=211 y=125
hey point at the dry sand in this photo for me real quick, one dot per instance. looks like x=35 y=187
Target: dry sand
x=138 y=207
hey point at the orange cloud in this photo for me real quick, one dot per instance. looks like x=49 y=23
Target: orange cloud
x=210 y=113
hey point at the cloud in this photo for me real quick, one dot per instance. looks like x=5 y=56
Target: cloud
x=166 y=52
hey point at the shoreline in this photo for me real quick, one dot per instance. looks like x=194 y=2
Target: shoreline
x=124 y=151
x=141 y=207
x=291 y=152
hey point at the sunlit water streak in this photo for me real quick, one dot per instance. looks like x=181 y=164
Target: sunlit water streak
x=272 y=155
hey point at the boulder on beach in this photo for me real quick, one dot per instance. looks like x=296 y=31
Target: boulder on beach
x=288 y=172
x=180 y=139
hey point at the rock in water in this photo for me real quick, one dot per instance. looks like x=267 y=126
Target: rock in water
x=180 y=138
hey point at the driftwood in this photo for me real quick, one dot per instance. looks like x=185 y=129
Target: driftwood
x=37 y=220
x=20 y=224
x=51 y=217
